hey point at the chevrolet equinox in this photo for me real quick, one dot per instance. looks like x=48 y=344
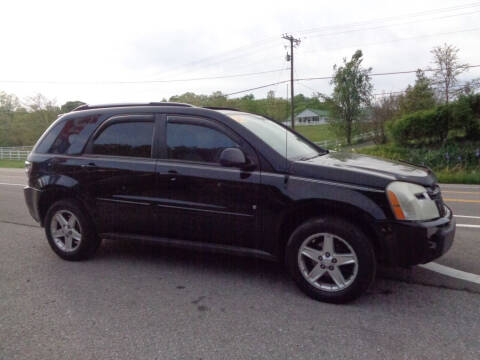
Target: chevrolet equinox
x=227 y=181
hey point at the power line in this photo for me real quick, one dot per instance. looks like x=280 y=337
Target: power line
x=247 y=50
x=269 y=42
x=258 y=87
x=141 y=81
x=307 y=87
x=331 y=77
x=408 y=15
x=401 y=39
x=390 y=25
x=455 y=89
x=383 y=74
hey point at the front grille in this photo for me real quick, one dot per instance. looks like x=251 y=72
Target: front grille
x=436 y=195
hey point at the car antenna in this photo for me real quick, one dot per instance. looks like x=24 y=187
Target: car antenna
x=285 y=179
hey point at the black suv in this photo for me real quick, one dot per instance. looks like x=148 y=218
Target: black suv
x=227 y=181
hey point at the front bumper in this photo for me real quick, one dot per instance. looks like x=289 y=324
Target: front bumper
x=417 y=242
x=32 y=197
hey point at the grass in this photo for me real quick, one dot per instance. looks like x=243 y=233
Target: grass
x=18 y=164
x=458 y=176
x=316 y=132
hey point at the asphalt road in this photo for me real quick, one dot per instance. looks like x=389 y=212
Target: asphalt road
x=142 y=301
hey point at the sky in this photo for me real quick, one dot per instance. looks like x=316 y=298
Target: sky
x=130 y=51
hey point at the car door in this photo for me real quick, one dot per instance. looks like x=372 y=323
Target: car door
x=119 y=173
x=206 y=201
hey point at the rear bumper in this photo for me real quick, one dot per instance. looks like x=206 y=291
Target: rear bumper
x=412 y=243
x=32 y=197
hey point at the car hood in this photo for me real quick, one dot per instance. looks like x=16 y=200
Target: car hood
x=361 y=170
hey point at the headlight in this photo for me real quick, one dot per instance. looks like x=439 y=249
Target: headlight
x=411 y=202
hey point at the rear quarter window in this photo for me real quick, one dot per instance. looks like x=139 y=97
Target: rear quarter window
x=47 y=139
x=68 y=136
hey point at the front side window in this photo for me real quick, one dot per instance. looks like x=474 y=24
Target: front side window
x=284 y=141
x=197 y=143
x=125 y=139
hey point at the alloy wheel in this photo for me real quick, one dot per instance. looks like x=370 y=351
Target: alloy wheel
x=66 y=231
x=327 y=262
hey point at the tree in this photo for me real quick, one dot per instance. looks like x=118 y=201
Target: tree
x=468 y=88
x=274 y=107
x=217 y=99
x=383 y=111
x=420 y=96
x=8 y=102
x=351 y=95
x=70 y=105
x=41 y=102
x=448 y=67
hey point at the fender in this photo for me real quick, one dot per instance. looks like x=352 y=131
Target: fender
x=361 y=197
x=282 y=195
x=54 y=187
x=47 y=181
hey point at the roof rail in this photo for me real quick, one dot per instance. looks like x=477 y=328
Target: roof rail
x=219 y=108
x=100 y=106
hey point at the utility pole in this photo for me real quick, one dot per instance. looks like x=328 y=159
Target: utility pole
x=293 y=43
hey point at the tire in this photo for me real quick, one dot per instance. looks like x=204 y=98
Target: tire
x=321 y=248
x=71 y=236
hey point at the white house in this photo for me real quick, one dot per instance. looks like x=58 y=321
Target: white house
x=309 y=117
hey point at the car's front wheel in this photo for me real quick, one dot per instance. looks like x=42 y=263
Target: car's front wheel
x=70 y=231
x=331 y=259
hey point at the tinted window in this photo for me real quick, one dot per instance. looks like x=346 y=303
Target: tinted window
x=196 y=143
x=125 y=139
x=281 y=139
x=67 y=136
x=46 y=141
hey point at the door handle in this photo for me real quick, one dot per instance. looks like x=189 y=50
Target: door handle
x=172 y=174
x=89 y=165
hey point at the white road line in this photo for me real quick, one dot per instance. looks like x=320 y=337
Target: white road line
x=451 y=272
x=467 y=216
x=13 y=184
x=469 y=226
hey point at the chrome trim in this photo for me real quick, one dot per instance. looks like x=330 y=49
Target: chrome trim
x=123 y=201
x=326 y=182
x=203 y=210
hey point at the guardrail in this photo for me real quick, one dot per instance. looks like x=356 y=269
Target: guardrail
x=15 y=153
x=337 y=144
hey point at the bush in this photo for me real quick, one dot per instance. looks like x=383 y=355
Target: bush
x=434 y=125
x=466 y=115
x=422 y=126
x=452 y=156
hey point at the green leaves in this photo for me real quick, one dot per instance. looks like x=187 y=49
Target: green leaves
x=24 y=125
x=352 y=94
x=460 y=118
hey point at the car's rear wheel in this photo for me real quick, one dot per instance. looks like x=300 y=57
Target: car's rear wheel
x=70 y=232
x=331 y=259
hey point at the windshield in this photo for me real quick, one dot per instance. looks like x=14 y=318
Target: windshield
x=276 y=135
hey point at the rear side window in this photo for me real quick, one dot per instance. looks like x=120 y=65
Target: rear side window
x=125 y=139
x=196 y=143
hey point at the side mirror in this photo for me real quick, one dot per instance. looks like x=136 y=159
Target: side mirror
x=232 y=157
